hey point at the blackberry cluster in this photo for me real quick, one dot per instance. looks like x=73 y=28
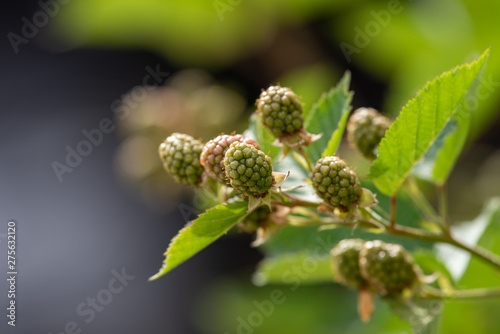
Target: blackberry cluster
x=385 y=268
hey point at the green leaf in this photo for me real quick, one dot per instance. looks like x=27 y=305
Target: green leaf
x=334 y=142
x=456 y=260
x=421 y=314
x=453 y=145
x=200 y=233
x=328 y=117
x=420 y=123
x=424 y=169
x=302 y=309
x=263 y=136
x=314 y=268
x=439 y=160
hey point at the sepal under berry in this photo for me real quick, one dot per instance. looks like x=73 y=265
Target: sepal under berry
x=255 y=219
x=275 y=221
x=367 y=199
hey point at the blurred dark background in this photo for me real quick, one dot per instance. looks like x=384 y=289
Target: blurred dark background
x=72 y=234
x=117 y=209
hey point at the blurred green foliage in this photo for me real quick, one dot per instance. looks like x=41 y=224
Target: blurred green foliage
x=424 y=38
x=333 y=310
x=189 y=32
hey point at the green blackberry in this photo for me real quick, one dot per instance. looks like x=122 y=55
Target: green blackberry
x=345 y=263
x=280 y=110
x=365 y=130
x=248 y=169
x=336 y=183
x=212 y=155
x=387 y=267
x=180 y=154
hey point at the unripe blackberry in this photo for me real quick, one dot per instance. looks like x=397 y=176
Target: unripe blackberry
x=345 y=263
x=365 y=130
x=388 y=267
x=180 y=154
x=280 y=110
x=212 y=155
x=248 y=169
x=336 y=183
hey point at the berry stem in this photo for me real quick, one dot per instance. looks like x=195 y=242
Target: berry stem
x=420 y=200
x=392 y=221
x=295 y=201
x=376 y=219
x=306 y=157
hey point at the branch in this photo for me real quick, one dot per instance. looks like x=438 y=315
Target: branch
x=414 y=233
x=410 y=232
x=429 y=292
